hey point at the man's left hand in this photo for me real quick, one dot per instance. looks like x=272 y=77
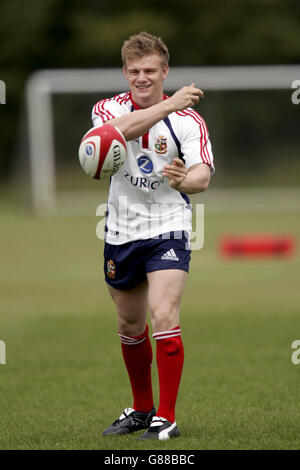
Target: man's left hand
x=176 y=173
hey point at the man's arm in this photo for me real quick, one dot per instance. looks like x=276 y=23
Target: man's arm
x=135 y=124
x=194 y=180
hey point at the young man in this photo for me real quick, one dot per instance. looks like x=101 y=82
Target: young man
x=148 y=223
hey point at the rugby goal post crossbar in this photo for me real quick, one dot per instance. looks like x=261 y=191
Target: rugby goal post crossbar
x=41 y=85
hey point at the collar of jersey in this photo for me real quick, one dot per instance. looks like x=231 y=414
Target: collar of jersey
x=136 y=106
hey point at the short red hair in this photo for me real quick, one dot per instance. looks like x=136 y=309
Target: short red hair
x=144 y=44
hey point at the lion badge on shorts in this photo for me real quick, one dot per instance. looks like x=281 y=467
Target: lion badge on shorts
x=160 y=144
x=111 y=269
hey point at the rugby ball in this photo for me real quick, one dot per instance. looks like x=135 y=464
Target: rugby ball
x=102 y=151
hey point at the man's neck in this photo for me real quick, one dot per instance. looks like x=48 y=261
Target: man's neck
x=147 y=102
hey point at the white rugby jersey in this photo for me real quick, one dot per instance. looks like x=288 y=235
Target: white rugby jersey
x=141 y=203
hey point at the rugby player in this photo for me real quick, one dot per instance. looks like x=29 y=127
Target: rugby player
x=147 y=249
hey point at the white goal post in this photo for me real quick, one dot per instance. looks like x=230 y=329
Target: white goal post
x=43 y=84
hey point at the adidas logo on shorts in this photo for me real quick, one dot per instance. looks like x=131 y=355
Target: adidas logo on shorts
x=170 y=255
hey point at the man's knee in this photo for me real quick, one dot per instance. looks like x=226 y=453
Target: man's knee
x=164 y=317
x=131 y=327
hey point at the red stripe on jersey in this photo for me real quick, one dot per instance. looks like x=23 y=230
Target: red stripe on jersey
x=122 y=100
x=204 y=136
x=203 y=152
x=203 y=133
x=145 y=140
x=108 y=114
x=205 y=139
x=95 y=109
x=102 y=112
x=118 y=98
x=127 y=99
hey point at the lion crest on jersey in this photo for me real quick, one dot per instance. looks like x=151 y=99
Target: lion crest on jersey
x=111 y=269
x=160 y=144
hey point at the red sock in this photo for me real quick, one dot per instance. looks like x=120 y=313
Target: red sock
x=137 y=354
x=169 y=358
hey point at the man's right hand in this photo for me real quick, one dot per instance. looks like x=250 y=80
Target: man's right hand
x=185 y=97
x=133 y=125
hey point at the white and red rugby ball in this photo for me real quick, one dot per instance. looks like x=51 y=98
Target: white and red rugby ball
x=102 y=151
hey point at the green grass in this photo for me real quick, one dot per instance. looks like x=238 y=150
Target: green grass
x=64 y=380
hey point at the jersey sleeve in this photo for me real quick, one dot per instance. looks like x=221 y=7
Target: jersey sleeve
x=105 y=110
x=195 y=143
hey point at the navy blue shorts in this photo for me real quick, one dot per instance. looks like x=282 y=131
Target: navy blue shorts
x=127 y=265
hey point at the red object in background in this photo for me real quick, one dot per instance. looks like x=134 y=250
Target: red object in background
x=257 y=245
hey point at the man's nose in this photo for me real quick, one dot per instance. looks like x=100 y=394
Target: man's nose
x=141 y=76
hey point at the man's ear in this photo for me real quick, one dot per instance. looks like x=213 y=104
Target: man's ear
x=165 y=71
x=125 y=72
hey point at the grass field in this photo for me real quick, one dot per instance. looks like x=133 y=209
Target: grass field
x=64 y=380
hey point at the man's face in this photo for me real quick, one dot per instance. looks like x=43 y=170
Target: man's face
x=146 y=76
